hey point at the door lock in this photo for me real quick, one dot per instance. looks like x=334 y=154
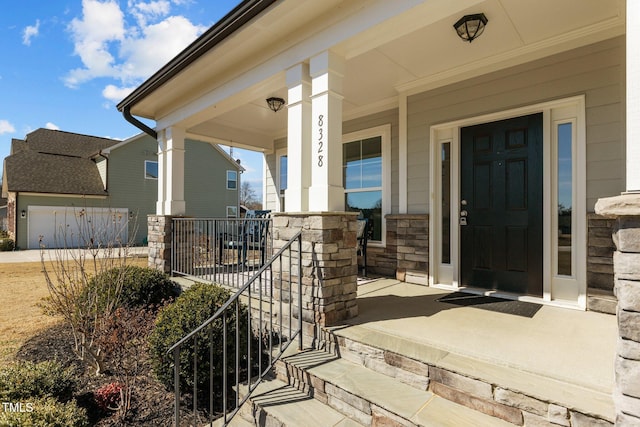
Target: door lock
x=463 y=217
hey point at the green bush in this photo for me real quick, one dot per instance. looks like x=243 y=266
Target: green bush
x=27 y=380
x=192 y=308
x=6 y=244
x=141 y=286
x=45 y=412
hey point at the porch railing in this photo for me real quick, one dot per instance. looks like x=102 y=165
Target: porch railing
x=220 y=250
x=271 y=310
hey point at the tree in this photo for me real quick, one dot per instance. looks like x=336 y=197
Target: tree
x=248 y=196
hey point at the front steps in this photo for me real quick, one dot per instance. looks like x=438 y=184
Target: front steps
x=506 y=393
x=355 y=381
x=317 y=388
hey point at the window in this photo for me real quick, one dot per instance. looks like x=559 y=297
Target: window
x=445 y=192
x=232 y=211
x=232 y=180
x=366 y=176
x=282 y=179
x=564 y=190
x=150 y=169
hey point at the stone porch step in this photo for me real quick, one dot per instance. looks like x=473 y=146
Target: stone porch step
x=371 y=398
x=276 y=403
x=508 y=393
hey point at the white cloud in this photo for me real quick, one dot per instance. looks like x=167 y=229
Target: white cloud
x=144 y=11
x=6 y=127
x=29 y=32
x=127 y=51
x=51 y=126
x=102 y=23
x=158 y=44
x=116 y=94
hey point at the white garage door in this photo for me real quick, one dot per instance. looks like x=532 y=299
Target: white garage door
x=71 y=227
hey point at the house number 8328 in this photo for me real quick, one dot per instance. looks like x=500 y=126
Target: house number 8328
x=320 y=140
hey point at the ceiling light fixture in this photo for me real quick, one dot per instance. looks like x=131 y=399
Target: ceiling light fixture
x=275 y=104
x=469 y=27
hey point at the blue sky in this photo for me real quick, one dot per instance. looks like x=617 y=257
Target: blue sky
x=67 y=63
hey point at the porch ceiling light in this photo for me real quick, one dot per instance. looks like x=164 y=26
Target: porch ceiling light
x=275 y=104
x=469 y=27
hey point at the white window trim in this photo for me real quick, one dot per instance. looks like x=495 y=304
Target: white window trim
x=557 y=290
x=145 y=169
x=228 y=180
x=279 y=153
x=384 y=132
x=232 y=208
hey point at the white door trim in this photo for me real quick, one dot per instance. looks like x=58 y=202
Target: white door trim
x=557 y=290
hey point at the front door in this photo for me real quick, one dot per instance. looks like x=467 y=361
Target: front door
x=501 y=196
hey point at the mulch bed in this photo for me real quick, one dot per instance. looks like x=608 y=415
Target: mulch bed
x=153 y=404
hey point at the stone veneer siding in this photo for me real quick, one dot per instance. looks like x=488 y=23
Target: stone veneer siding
x=626 y=266
x=600 y=250
x=407 y=247
x=159 y=238
x=329 y=268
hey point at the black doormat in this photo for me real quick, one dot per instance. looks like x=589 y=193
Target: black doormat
x=499 y=305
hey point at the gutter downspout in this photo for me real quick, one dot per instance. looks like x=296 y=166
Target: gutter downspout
x=126 y=112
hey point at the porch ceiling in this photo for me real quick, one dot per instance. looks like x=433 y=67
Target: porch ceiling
x=415 y=50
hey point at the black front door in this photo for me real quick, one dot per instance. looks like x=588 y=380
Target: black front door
x=501 y=195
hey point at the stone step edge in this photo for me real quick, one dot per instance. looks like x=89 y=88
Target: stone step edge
x=335 y=388
x=457 y=374
x=258 y=409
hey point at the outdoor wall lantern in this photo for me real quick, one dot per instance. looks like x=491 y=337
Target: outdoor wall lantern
x=275 y=104
x=469 y=27
x=23 y=213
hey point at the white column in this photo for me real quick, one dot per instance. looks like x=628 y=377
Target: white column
x=174 y=203
x=633 y=96
x=298 y=139
x=327 y=191
x=162 y=173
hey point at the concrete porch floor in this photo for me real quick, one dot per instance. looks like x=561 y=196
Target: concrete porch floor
x=558 y=354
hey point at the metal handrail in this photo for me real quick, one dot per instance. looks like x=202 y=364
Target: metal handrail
x=247 y=288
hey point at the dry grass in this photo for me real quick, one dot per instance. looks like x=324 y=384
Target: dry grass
x=22 y=286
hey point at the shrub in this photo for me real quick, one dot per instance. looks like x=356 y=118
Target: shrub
x=141 y=286
x=123 y=337
x=109 y=397
x=176 y=320
x=46 y=412
x=27 y=380
x=6 y=244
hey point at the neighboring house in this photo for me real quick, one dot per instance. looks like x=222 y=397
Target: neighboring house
x=51 y=178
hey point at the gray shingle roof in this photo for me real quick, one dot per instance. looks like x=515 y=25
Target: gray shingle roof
x=56 y=162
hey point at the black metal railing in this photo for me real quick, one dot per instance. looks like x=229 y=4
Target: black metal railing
x=225 y=251
x=268 y=312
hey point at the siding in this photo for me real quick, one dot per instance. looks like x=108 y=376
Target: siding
x=127 y=185
x=270 y=196
x=205 y=181
x=597 y=71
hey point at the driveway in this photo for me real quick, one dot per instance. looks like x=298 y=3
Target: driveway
x=33 y=255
